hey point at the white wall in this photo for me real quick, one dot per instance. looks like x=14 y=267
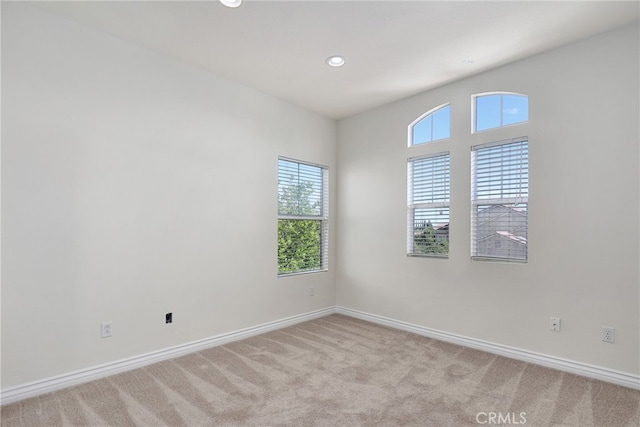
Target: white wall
x=583 y=213
x=133 y=186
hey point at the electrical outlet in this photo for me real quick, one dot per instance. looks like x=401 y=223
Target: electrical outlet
x=554 y=323
x=312 y=291
x=608 y=334
x=105 y=329
x=168 y=318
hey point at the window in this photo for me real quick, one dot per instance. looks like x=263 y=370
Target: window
x=303 y=198
x=428 y=205
x=499 y=198
x=433 y=125
x=499 y=109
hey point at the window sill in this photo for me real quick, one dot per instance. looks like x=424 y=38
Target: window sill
x=505 y=260
x=298 y=273
x=428 y=256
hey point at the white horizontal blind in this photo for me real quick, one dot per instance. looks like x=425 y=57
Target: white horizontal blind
x=303 y=210
x=499 y=196
x=300 y=189
x=428 y=205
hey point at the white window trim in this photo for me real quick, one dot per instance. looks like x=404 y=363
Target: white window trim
x=323 y=218
x=411 y=207
x=502 y=201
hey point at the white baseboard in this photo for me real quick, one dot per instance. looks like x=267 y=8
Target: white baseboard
x=578 y=368
x=24 y=391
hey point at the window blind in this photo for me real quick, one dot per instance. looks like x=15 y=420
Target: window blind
x=300 y=189
x=428 y=205
x=499 y=196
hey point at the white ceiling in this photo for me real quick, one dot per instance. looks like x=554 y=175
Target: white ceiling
x=393 y=48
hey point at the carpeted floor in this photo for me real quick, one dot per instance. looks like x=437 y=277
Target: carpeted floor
x=335 y=371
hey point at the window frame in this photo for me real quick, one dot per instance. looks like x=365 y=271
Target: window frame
x=502 y=94
x=519 y=201
x=439 y=203
x=431 y=112
x=322 y=217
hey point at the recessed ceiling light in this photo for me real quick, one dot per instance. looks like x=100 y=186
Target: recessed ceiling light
x=231 y=3
x=335 y=61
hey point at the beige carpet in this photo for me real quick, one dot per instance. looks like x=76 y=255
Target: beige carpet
x=335 y=371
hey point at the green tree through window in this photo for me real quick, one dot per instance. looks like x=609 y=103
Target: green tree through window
x=427 y=240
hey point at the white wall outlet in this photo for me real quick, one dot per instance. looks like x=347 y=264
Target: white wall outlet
x=312 y=291
x=105 y=329
x=554 y=323
x=608 y=334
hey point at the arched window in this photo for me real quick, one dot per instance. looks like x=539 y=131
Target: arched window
x=498 y=109
x=431 y=126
